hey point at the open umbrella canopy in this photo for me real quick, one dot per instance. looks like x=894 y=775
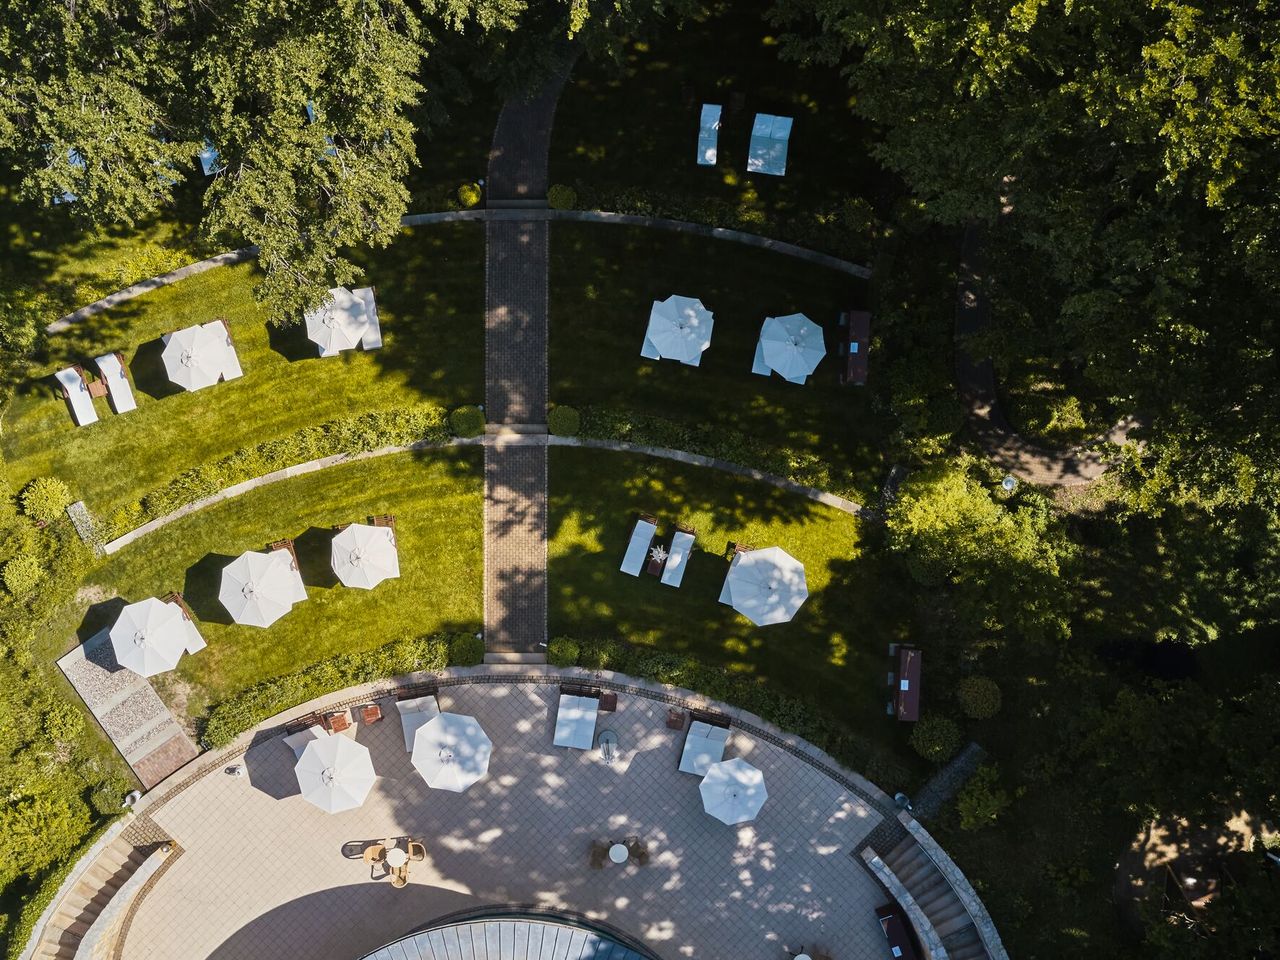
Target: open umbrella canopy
x=149 y=637
x=765 y=586
x=194 y=358
x=338 y=323
x=335 y=773
x=451 y=751
x=680 y=328
x=733 y=791
x=792 y=345
x=260 y=588
x=363 y=556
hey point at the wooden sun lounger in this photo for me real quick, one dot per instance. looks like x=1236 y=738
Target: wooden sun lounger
x=286 y=545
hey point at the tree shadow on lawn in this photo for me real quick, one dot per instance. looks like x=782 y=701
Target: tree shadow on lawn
x=201 y=585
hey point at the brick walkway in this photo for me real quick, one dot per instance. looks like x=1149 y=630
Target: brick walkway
x=515 y=474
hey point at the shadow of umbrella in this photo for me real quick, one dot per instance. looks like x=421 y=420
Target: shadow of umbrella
x=292 y=342
x=269 y=764
x=100 y=616
x=200 y=589
x=315 y=557
x=148 y=373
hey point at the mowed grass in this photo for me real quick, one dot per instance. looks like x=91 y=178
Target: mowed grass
x=430 y=302
x=634 y=126
x=436 y=498
x=604 y=280
x=833 y=652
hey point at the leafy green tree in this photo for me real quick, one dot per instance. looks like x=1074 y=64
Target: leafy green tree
x=981 y=801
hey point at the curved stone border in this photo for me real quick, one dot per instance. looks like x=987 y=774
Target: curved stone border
x=697 y=460
x=976 y=381
x=960 y=884
x=285 y=473
x=660 y=223
x=617 y=446
x=153 y=283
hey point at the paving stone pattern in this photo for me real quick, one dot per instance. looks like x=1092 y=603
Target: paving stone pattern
x=129 y=711
x=521 y=141
x=264 y=874
x=516 y=323
x=515 y=535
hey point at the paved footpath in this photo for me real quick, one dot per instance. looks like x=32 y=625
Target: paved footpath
x=515 y=475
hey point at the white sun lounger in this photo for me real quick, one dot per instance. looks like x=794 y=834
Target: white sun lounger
x=576 y=722
x=770 y=138
x=703 y=746
x=72 y=381
x=371 y=339
x=677 y=559
x=118 y=389
x=641 y=536
x=298 y=742
x=708 y=134
x=413 y=714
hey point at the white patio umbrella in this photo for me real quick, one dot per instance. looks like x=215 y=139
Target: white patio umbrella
x=335 y=773
x=364 y=556
x=765 y=586
x=193 y=358
x=260 y=588
x=733 y=791
x=338 y=323
x=792 y=345
x=149 y=637
x=451 y=751
x=680 y=328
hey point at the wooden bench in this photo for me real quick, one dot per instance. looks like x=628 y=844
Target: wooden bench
x=174 y=597
x=303 y=723
x=416 y=690
x=580 y=690
x=854 y=342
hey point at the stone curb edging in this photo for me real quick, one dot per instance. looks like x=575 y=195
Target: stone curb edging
x=973 y=905
x=285 y=473
x=231 y=257
x=153 y=283
x=617 y=446
x=86 y=860
x=695 y=459
x=932 y=943
x=860 y=271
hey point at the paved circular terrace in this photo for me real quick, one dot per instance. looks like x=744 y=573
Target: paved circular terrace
x=260 y=873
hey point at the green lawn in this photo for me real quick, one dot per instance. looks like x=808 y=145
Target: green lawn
x=604 y=280
x=430 y=301
x=835 y=650
x=437 y=501
x=630 y=129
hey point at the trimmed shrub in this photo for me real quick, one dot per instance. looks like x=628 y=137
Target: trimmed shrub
x=45 y=498
x=22 y=574
x=467 y=421
x=469 y=195
x=936 y=737
x=982 y=800
x=562 y=652
x=107 y=797
x=600 y=655
x=979 y=697
x=231 y=717
x=562 y=197
x=564 y=421
x=466 y=650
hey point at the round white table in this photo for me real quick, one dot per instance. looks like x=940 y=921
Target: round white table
x=397 y=857
x=618 y=853
x=802 y=956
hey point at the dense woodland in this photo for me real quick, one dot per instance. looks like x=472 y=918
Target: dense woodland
x=1123 y=164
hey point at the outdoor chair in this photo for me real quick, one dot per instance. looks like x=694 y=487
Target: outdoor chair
x=76 y=392
x=417 y=851
x=638 y=547
x=375 y=853
x=400 y=876
x=637 y=851
x=678 y=558
x=599 y=854
x=112 y=368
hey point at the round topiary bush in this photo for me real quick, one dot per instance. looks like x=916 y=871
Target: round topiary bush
x=21 y=574
x=467 y=421
x=562 y=197
x=469 y=195
x=45 y=498
x=564 y=421
x=979 y=697
x=465 y=650
x=936 y=738
x=562 y=652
